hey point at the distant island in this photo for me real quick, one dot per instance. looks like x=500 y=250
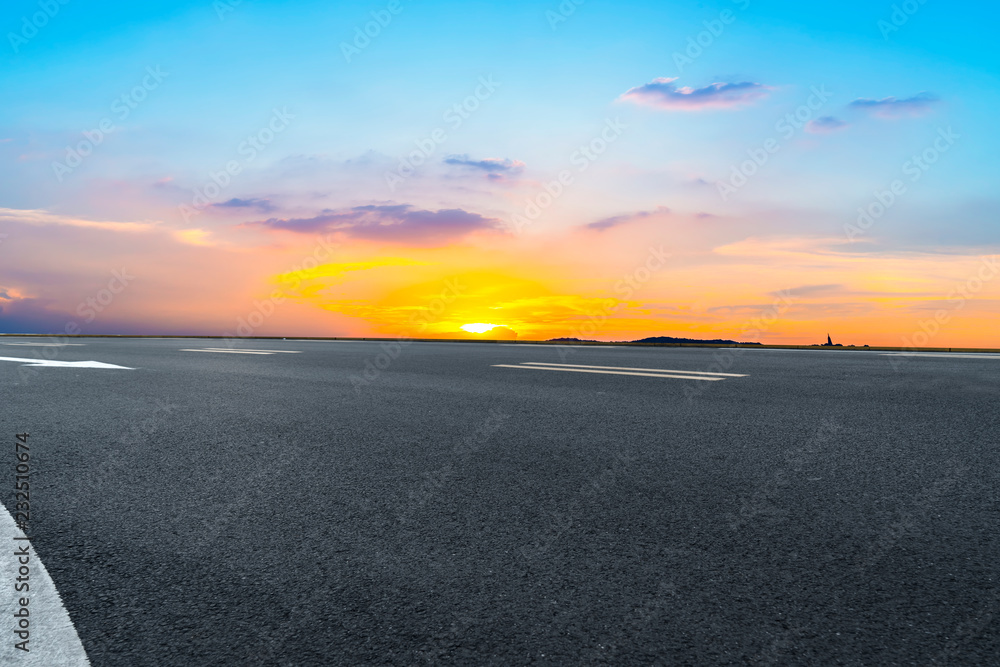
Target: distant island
x=671 y=339
x=829 y=343
x=657 y=339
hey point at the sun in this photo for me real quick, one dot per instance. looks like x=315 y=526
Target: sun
x=479 y=327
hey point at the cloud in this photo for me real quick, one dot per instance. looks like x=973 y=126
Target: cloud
x=262 y=205
x=663 y=94
x=491 y=165
x=825 y=125
x=808 y=290
x=497 y=169
x=500 y=333
x=30 y=315
x=608 y=223
x=337 y=270
x=890 y=107
x=199 y=237
x=43 y=315
x=399 y=223
x=43 y=218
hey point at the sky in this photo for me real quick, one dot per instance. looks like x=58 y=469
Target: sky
x=740 y=169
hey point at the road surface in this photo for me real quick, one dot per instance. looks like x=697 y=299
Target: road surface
x=319 y=502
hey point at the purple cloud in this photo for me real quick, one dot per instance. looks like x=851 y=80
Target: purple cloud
x=28 y=315
x=663 y=94
x=608 y=223
x=491 y=165
x=825 y=125
x=262 y=205
x=890 y=107
x=390 y=222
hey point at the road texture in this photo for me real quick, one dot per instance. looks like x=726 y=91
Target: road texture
x=452 y=503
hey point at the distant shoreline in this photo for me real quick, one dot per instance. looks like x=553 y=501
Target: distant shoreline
x=753 y=346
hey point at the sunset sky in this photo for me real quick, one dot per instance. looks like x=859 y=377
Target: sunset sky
x=766 y=171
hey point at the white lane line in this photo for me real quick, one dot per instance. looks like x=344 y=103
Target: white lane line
x=64 y=364
x=226 y=351
x=46 y=344
x=625 y=368
x=244 y=349
x=589 y=370
x=52 y=639
x=947 y=355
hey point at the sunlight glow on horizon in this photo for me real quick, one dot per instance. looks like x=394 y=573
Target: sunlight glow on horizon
x=479 y=328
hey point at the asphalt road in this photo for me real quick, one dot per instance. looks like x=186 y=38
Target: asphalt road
x=210 y=508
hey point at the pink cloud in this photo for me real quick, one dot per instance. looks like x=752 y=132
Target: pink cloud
x=662 y=93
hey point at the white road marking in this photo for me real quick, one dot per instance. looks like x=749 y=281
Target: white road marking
x=624 y=368
x=52 y=641
x=590 y=370
x=243 y=349
x=47 y=344
x=226 y=351
x=947 y=355
x=64 y=364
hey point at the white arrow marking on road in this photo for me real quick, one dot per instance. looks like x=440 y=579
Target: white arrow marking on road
x=64 y=364
x=52 y=641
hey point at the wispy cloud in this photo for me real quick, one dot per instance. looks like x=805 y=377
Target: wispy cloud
x=492 y=165
x=198 y=237
x=662 y=93
x=891 y=107
x=826 y=125
x=41 y=217
x=615 y=221
x=809 y=290
x=262 y=205
x=399 y=223
x=495 y=169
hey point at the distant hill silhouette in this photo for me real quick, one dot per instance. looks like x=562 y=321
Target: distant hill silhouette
x=670 y=339
x=657 y=339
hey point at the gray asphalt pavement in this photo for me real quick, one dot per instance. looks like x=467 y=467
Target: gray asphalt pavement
x=308 y=507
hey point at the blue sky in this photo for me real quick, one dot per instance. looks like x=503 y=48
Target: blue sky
x=561 y=72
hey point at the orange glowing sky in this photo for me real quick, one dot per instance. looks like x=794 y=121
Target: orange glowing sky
x=652 y=275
